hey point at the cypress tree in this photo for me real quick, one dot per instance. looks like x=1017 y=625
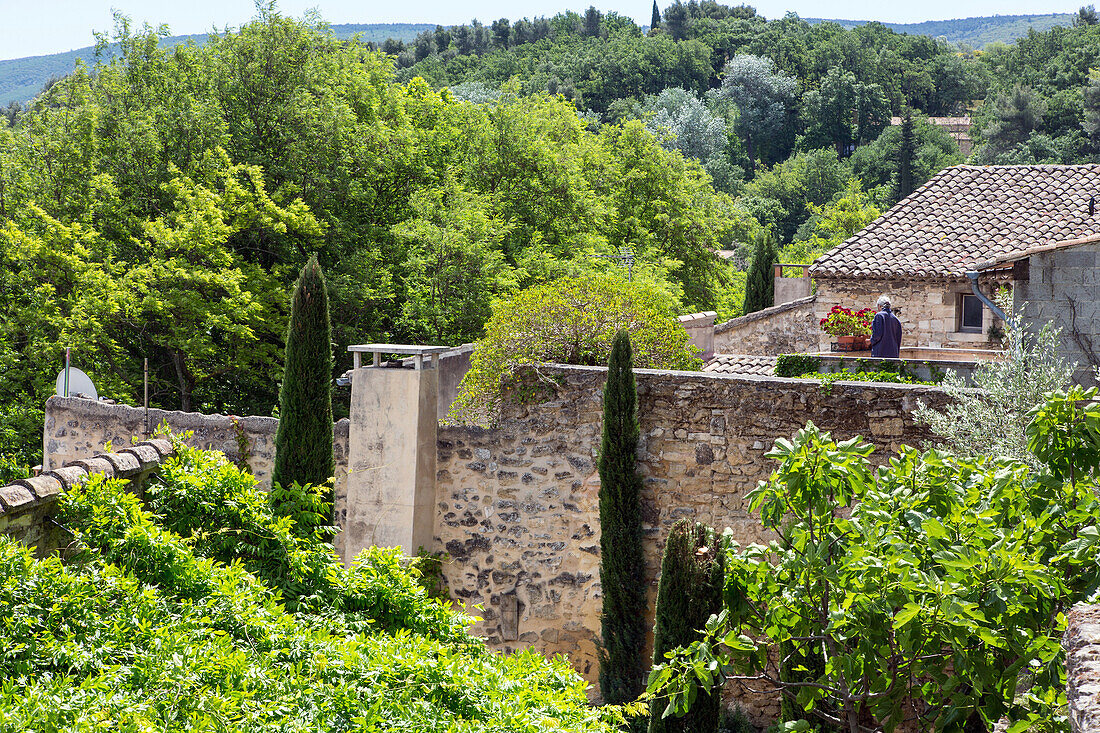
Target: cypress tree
x=622 y=564
x=303 y=442
x=760 y=281
x=906 y=153
x=655 y=20
x=690 y=591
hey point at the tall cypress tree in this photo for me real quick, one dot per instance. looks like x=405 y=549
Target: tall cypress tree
x=760 y=281
x=303 y=442
x=655 y=20
x=907 y=151
x=622 y=564
x=690 y=590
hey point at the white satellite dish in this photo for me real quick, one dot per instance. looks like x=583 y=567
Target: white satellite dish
x=79 y=384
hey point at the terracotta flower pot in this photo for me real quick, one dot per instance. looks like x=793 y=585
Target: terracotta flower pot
x=847 y=343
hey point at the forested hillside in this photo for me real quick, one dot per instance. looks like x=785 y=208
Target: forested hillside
x=974 y=32
x=159 y=203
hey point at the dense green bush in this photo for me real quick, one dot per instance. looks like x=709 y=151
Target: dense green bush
x=904 y=582
x=572 y=321
x=795 y=365
x=244 y=623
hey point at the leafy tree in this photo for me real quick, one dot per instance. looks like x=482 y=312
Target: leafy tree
x=906 y=152
x=1016 y=114
x=762 y=97
x=1091 y=105
x=831 y=224
x=681 y=122
x=1086 y=16
x=987 y=545
x=688 y=593
x=211 y=576
x=572 y=321
x=783 y=195
x=876 y=164
x=844 y=113
x=622 y=559
x=303 y=441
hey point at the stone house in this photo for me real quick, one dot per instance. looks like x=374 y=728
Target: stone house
x=921 y=251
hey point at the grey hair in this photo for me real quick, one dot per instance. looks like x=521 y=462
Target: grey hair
x=883 y=300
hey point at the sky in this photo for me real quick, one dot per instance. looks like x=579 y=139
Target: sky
x=38 y=27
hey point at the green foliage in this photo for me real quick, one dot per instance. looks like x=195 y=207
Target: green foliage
x=303 y=442
x=910 y=590
x=622 y=559
x=572 y=321
x=795 y=365
x=760 y=281
x=689 y=592
x=843 y=375
x=992 y=419
x=149 y=629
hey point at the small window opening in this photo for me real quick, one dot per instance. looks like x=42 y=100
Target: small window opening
x=970 y=314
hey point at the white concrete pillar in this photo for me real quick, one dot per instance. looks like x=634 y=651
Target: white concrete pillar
x=392 y=454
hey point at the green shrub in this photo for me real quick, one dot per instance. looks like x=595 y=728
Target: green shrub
x=149 y=630
x=689 y=592
x=795 y=365
x=571 y=321
x=905 y=580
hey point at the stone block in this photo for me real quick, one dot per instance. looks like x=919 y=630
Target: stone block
x=126 y=464
x=16 y=497
x=163 y=446
x=43 y=487
x=98 y=464
x=69 y=476
x=147 y=456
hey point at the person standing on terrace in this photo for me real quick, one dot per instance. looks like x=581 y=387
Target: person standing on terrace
x=885 y=331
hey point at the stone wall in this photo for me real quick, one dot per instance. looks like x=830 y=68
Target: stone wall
x=28 y=505
x=1063 y=289
x=926 y=309
x=518 y=510
x=790 y=328
x=1082 y=644
x=700 y=328
x=77 y=429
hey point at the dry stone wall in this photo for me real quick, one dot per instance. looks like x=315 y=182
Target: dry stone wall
x=1082 y=644
x=518 y=511
x=790 y=328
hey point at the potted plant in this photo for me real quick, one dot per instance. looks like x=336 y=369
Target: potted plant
x=852 y=328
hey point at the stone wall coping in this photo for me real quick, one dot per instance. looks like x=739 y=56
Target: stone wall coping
x=755 y=378
x=703 y=318
x=44 y=490
x=180 y=421
x=765 y=313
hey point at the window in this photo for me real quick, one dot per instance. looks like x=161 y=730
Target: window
x=970 y=314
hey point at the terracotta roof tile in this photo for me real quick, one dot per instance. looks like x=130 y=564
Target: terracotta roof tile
x=969 y=214
x=741 y=364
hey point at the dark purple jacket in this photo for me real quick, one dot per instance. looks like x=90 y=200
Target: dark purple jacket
x=886 y=335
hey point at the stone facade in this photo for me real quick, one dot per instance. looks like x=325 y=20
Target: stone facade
x=1082 y=644
x=790 y=328
x=928 y=309
x=1063 y=289
x=518 y=510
